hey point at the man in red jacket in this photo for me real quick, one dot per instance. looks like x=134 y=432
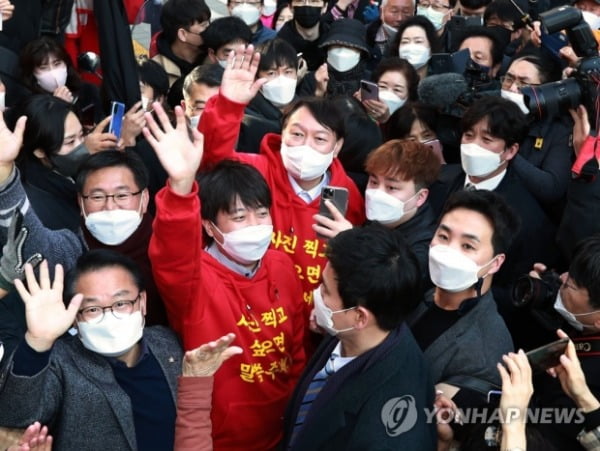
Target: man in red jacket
x=226 y=281
x=296 y=164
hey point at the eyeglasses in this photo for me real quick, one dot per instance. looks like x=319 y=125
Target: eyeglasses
x=308 y=2
x=119 y=309
x=435 y=6
x=508 y=80
x=121 y=199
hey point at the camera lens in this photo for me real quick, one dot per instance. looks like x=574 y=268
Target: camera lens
x=551 y=99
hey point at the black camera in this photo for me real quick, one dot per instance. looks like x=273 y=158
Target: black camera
x=551 y=99
x=536 y=293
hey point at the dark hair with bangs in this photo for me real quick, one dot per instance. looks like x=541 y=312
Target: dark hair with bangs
x=277 y=53
x=176 y=14
x=113 y=159
x=226 y=30
x=501 y=216
x=324 y=111
x=228 y=181
x=376 y=269
x=400 y=123
x=505 y=120
x=416 y=21
x=38 y=52
x=406 y=159
x=585 y=267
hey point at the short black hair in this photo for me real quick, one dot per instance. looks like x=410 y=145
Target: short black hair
x=228 y=181
x=416 y=21
x=585 y=267
x=400 y=123
x=324 y=111
x=548 y=68
x=225 y=30
x=505 y=11
x=176 y=14
x=96 y=260
x=504 y=220
x=475 y=4
x=154 y=75
x=397 y=64
x=276 y=53
x=208 y=74
x=113 y=159
x=484 y=32
x=505 y=119
x=376 y=269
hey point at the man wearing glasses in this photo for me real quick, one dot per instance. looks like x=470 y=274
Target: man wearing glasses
x=113 y=197
x=113 y=386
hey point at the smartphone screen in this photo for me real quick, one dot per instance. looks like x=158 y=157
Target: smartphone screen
x=548 y=355
x=116 y=122
x=369 y=90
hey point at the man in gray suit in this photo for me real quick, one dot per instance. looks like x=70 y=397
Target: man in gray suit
x=113 y=386
x=461 y=333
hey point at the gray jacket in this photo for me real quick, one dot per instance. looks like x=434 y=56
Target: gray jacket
x=466 y=354
x=77 y=395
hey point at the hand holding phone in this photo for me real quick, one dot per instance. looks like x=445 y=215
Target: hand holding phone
x=368 y=90
x=338 y=196
x=547 y=356
x=117 y=111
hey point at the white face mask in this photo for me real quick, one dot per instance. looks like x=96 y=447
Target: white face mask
x=145 y=102
x=269 y=7
x=222 y=63
x=280 y=91
x=194 y=120
x=343 y=59
x=451 y=270
x=569 y=317
x=592 y=19
x=113 y=227
x=2 y=101
x=247 y=245
x=324 y=315
x=416 y=54
x=112 y=337
x=50 y=80
x=304 y=162
x=392 y=100
x=515 y=97
x=477 y=161
x=248 y=13
x=435 y=17
x=383 y=207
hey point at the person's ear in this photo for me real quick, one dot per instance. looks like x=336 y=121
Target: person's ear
x=422 y=197
x=496 y=264
x=143 y=302
x=145 y=194
x=511 y=152
x=181 y=34
x=208 y=228
x=363 y=318
x=338 y=146
x=39 y=153
x=212 y=56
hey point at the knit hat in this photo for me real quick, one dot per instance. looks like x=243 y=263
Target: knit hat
x=347 y=32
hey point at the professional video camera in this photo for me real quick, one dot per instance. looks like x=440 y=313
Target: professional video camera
x=553 y=98
x=538 y=296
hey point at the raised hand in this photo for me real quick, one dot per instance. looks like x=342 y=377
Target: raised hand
x=238 y=82
x=517 y=387
x=133 y=123
x=206 y=359
x=572 y=379
x=7 y=9
x=331 y=227
x=64 y=93
x=322 y=78
x=46 y=315
x=98 y=140
x=581 y=127
x=35 y=438
x=10 y=142
x=179 y=156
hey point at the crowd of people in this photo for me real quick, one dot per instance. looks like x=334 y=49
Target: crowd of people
x=333 y=225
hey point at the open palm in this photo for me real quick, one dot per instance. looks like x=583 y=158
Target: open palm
x=238 y=82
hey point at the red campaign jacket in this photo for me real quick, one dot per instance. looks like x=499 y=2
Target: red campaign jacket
x=205 y=300
x=292 y=217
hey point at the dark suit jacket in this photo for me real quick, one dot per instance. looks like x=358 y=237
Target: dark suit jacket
x=77 y=394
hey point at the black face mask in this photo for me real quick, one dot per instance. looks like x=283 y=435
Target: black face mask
x=69 y=164
x=307 y=16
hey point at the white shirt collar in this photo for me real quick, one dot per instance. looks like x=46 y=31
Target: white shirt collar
x=489 y=184
x=336 y=362
x=311 y=194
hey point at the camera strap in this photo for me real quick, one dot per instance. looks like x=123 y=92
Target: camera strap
x=587 y=346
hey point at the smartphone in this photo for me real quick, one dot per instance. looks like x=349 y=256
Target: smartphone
x=338 y=196
x=436 y=146
x=547 y=356
x=441 y=63
x=554 y=42
x=117 y=110
x=369 y=90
